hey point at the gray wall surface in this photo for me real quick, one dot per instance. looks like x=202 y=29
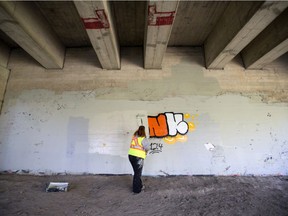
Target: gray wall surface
x=81 y=119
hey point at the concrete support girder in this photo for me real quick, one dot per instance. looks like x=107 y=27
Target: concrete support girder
x=23 y=22
x=159 y=22
x=4 y=72
x=268 y=45
x=239 y=25
x=98 y=21
x=4 y=54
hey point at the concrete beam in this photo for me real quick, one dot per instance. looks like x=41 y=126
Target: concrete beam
x=160 y=17
x=4 y=54
x=268 y=45
x=4 y=72
x=23 y=22
x=98 y=21
x=240 y=24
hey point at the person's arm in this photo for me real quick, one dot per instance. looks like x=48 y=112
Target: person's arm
x=146 y=144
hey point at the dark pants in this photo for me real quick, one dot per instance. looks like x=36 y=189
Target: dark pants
x=137 y=164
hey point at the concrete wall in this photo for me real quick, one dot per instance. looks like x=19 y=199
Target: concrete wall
x=81 y=119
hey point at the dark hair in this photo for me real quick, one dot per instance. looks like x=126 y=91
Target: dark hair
x=140 y=132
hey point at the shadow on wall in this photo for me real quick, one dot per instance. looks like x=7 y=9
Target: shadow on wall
x=132 y=56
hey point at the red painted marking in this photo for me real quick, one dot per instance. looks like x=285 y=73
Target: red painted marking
x=159 y=18
x=98 y=22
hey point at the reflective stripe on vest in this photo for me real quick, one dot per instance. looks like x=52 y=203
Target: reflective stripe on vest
x=136 y=148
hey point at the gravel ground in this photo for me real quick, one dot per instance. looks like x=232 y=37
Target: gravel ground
x=170 y=195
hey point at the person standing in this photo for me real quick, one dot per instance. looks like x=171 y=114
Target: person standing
x=137 y=153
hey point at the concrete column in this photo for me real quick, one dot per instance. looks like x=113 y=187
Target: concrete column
x=4 y=72
x=239 y=25
x=23 y=22
x=268 y=45
x=160 y=17
x=98 y=21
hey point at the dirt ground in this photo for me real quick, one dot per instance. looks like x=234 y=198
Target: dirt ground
x=171 y=195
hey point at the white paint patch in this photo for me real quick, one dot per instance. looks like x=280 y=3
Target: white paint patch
x=209 y=146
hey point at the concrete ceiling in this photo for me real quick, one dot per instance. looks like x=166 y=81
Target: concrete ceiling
x=196 y=23
x=193 y=23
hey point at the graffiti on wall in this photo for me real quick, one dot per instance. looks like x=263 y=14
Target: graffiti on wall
x=100 y=21
x=170 y=126
x=155 y=147
x=156 y=18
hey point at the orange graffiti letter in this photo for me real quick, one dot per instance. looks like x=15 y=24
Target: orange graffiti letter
x=158 y=125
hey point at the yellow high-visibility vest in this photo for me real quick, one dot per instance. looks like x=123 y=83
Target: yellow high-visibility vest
x=136 y=147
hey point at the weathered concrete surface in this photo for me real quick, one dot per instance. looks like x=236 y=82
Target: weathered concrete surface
x=4 y=72
x=194 y=21
x=23 y=22
x=100 y=26
x=81 y=72
x=85 y=116
x=232 y=33
x=268 y=45
x=64 y=20
x=130 y=22
x=4 y=54
x=160 y=17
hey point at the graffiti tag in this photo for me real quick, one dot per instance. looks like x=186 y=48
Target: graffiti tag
x=155 y=148
x=171 y=126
